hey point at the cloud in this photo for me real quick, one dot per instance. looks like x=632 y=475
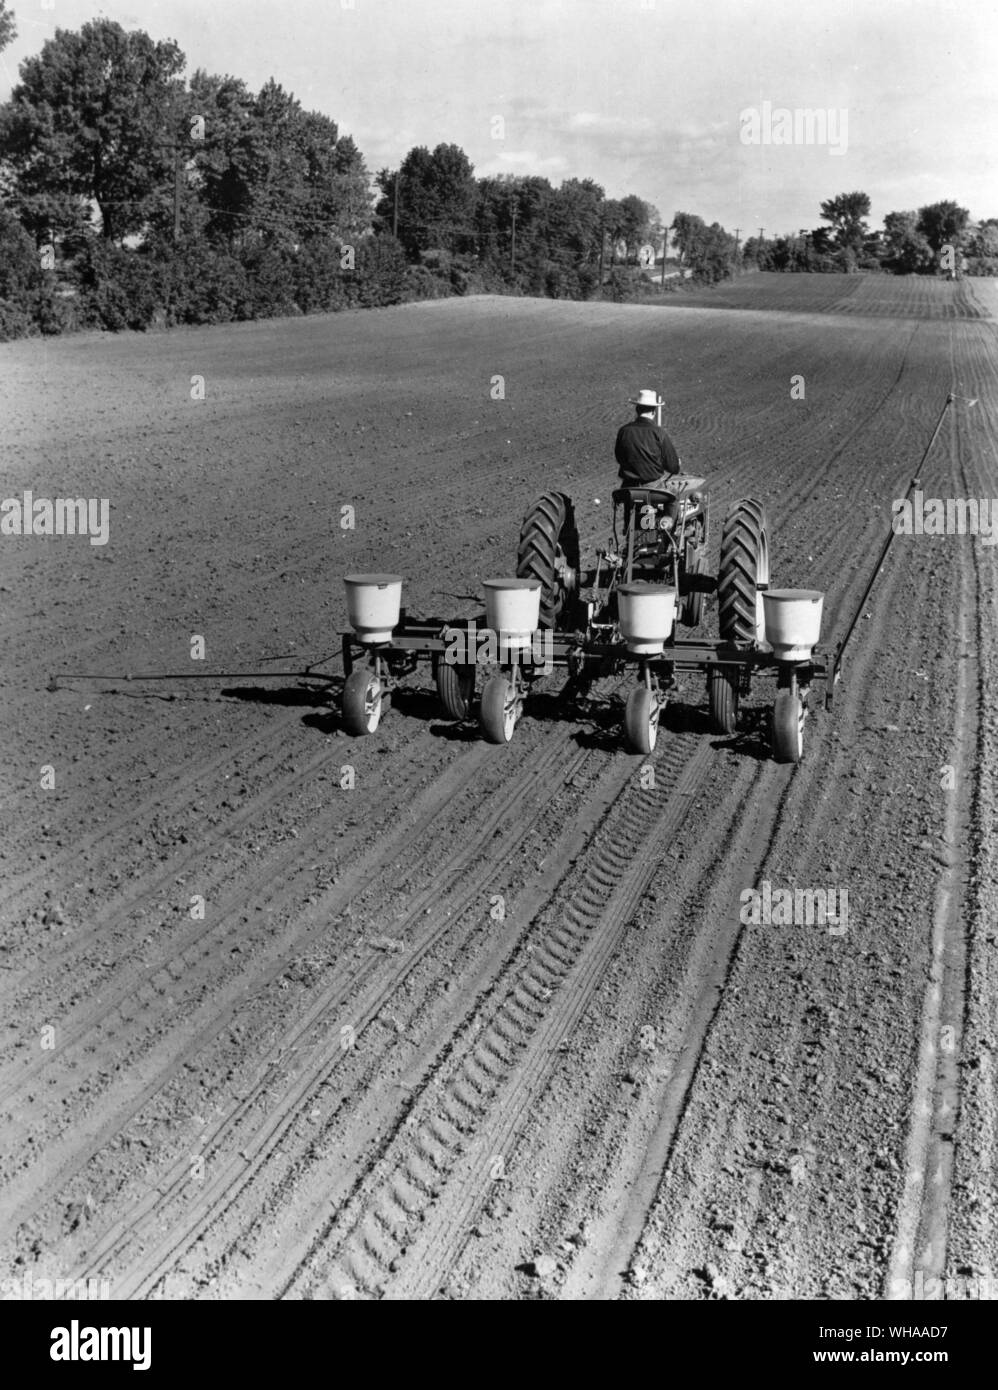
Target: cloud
x=596 y=123
x=522 y=162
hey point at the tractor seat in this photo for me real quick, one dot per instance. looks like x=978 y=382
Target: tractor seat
x=680 y=485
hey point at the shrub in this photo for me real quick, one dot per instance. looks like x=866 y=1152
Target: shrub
x=380 y=272
x=20 y=271
x=270 y=281
x=15 y=322
x=118 y=288
x=845 y=259
x=57 y=313
x=440 y=261
x=320 y=283
x=620 y=286
x=207 y=285
x=587 y=282
x=421 y=283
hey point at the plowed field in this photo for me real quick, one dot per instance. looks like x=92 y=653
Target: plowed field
x=267 y=1034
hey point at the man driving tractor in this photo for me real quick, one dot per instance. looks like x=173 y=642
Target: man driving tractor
x=646 y=455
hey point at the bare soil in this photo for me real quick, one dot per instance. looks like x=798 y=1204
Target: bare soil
x=353 y=1076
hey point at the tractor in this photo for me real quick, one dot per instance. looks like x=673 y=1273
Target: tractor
x=659 y=535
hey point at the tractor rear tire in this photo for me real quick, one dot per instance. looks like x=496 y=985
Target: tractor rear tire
x=549 y=551
x=722 y=697
x=744 y=565
x=456 y=688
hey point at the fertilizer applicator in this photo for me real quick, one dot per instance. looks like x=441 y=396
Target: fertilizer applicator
x=915 y=483
x=309 y=673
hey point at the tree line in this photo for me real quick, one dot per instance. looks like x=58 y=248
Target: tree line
x=940 y=238
x=132 y=196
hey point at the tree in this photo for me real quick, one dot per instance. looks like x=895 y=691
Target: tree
x=266 y=170
x=708 y=251
x=574 y=223
x=437 y=195
x=752 y=250
x=301 y=180
x=983 y=240
x=907 y=249
x=222 y=162
x=636 y=221
x=613 y=221
x=8 y=30
x=847 y=213
x=942 y=224
x=91 y=122
x=497 y=201
x=688 y=233
x=717 y=255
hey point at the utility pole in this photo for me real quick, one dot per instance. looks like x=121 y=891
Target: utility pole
x=602 y=245
x=762 y=233
x=395 y=214
x=512 y=251
x=737 y=232
x=176 y=193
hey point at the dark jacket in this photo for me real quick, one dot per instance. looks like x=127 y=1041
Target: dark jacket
x=644 y=451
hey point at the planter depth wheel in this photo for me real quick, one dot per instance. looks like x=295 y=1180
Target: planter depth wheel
x=362 y=695
x=641 y=719
x=500 y=709
x=722 y=697
x=788 y=727
x=456 y=688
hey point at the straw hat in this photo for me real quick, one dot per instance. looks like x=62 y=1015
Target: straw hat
x=648 y=399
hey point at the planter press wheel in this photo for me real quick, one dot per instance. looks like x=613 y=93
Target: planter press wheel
x=456 y=688
x=362 y=701
x=549 y=551
x=743 y=566
x=692 y=609
x=722 y=698
x=500 y=709
x=788 y=727
x=641 y=719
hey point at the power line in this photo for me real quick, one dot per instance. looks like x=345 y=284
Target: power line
x=258 y=219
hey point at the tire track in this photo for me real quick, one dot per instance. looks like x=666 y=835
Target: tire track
x=504 y=1056
x=534 y=784
x=919 y=1253
x=437 y=804
x=810 y=830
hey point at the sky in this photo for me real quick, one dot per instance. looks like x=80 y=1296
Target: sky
x=653 y=97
